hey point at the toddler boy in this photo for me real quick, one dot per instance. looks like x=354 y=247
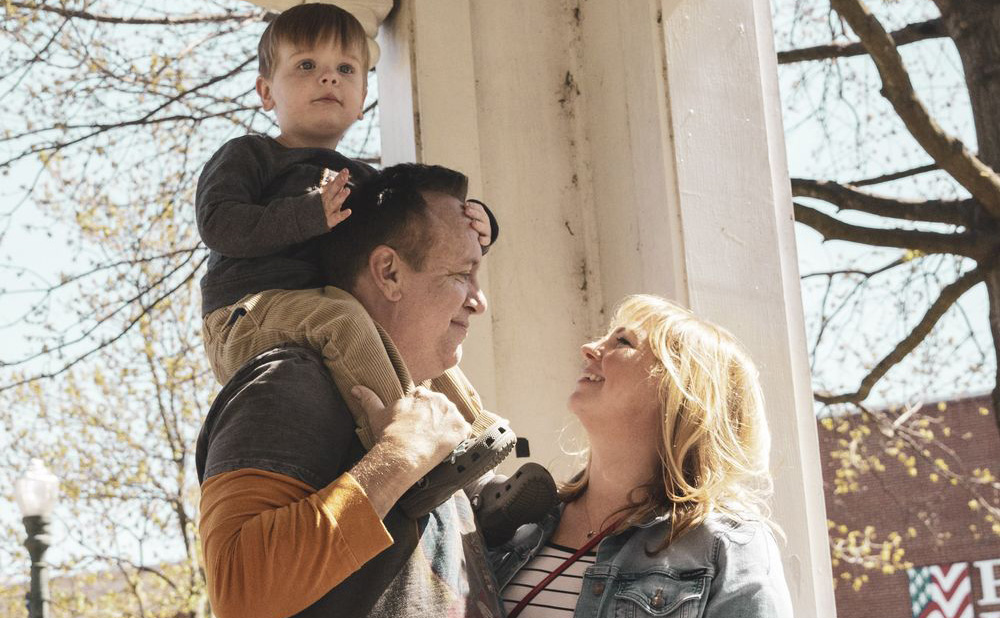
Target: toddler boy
x=260 y=200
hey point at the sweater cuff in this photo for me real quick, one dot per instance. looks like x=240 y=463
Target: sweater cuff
x=312 y=218
x=345 y=503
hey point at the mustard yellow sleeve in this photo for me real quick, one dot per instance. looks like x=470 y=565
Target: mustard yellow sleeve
x=273 y=545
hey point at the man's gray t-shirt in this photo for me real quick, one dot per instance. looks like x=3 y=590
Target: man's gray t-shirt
x=282 y=413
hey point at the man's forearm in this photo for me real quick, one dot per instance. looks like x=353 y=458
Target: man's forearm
x=385 y=473
x=415 y=434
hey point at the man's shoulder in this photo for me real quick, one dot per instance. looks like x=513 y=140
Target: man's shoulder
x=286 y=370
x=280 y=412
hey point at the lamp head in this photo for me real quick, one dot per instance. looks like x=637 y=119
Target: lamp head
x=37 y=491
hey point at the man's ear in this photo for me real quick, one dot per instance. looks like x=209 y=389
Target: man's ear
x=384 y=267
x=264 y=92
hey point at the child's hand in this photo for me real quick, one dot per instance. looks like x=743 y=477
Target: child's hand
x=480 y=222
x=334 y=191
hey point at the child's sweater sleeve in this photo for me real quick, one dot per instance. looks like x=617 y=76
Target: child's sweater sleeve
x=231 y=218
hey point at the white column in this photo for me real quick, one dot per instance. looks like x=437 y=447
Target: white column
x=740 y=249
x=625 y=147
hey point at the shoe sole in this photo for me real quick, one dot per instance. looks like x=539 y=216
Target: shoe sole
x=526 y=497
x=441 y=483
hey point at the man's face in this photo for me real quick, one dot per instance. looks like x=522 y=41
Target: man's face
x=438 y=300
x=316 y=93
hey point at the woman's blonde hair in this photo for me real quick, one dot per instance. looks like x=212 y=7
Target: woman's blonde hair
x=714 y=440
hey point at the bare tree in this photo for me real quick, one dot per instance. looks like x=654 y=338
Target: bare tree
x=894 y=175
x=972 y=220
x=110 y=110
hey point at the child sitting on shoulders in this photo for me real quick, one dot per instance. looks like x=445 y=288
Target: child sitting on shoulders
x=261 y=199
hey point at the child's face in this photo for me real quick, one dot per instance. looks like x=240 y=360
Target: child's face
x=316 y=93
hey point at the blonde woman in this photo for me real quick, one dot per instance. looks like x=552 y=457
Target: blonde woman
x=669 y=517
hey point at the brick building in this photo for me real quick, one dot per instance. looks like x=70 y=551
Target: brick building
x=907 y=513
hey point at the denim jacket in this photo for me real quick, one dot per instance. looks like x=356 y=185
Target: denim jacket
x=723 y=568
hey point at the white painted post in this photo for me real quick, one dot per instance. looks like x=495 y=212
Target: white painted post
x=625 y=147
x=739 y=246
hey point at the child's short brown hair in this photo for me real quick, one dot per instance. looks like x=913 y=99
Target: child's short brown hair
x=304 y=25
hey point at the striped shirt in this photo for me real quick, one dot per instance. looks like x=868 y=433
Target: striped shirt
x=558 y=599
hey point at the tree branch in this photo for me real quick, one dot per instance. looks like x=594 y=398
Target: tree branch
x=147 y=118
x=846 y=197
x=948 y=152
x=948 y=296
x=98 y=323
x=866 y=274
x=923 y=169
x=143 y=310
x=911 y=33
x=993 y=295
x=183 y=93
x=68 y=279
x=929 y=242
x=99 y=129
x=135 y=21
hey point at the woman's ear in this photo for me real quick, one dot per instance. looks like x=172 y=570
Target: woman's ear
x=384 y=267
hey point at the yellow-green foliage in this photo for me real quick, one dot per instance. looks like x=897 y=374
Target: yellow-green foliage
x=868 y=442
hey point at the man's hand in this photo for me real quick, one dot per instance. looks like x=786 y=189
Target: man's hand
x=334 y=191
x=480 y=222
x=413 y=435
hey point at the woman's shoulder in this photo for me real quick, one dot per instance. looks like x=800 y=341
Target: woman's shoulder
x=733 y=540
x=736 y=528
x=717 y=534
x=749 y=573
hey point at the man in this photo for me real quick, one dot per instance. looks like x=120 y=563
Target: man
x=296 y=518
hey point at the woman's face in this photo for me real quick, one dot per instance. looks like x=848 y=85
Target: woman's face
x=615 y=392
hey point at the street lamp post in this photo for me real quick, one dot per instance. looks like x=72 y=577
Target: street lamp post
x=36 y=493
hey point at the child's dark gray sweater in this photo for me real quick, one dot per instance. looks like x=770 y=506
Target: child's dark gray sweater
x=258 y=204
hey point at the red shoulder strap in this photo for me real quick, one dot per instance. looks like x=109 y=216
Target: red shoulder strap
x=590 y=544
